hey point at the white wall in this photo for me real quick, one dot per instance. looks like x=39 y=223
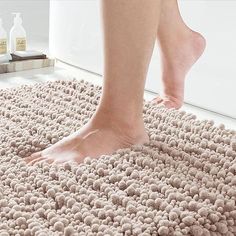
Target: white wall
x=35 y=14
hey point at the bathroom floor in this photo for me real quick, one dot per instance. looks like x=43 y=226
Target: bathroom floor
x=63 y=71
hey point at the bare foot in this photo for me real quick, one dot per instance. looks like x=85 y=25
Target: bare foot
x=99 y=136
x=176 y=62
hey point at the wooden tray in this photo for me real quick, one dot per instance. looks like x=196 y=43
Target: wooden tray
x=26 y=65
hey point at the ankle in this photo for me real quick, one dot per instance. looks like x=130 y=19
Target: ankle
x=124 y=121
x=121 y=115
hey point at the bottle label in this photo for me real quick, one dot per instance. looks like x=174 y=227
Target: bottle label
x=3 y=46
x=20 y=44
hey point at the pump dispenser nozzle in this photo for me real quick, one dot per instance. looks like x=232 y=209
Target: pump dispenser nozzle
x=17 y=18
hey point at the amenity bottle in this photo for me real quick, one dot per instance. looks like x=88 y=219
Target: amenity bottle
x=3 y=39
x=17 y=35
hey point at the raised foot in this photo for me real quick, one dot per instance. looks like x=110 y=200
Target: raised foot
x=93 y=140
x=176 y=64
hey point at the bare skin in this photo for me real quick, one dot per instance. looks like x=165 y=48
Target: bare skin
x=180 y=48
x=102 y=132
x=130 y=29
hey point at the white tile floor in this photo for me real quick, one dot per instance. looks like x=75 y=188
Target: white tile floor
x=66 y=72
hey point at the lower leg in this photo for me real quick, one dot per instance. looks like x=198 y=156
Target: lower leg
x=130 y=29
x=180 y=49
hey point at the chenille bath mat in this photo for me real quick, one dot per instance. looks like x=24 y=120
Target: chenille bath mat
x=182 y=183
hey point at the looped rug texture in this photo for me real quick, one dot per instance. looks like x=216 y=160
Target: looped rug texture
x=181 y=183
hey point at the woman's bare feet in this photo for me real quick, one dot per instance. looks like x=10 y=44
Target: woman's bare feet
x=101 y=135
x=177 y=60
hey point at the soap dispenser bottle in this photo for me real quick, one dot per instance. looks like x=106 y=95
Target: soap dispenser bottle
x=3 y=39
x=17 y=35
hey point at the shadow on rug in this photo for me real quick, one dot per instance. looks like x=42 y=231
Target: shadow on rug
x=182 y=183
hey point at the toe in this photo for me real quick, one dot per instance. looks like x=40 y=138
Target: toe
x=43 y=158
x=49 y=161
x=166 y=103
x=57 y=162
x=36 y=154
x=170 y=104
x=158 y=100
x=33 y=156
x=32 y=162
